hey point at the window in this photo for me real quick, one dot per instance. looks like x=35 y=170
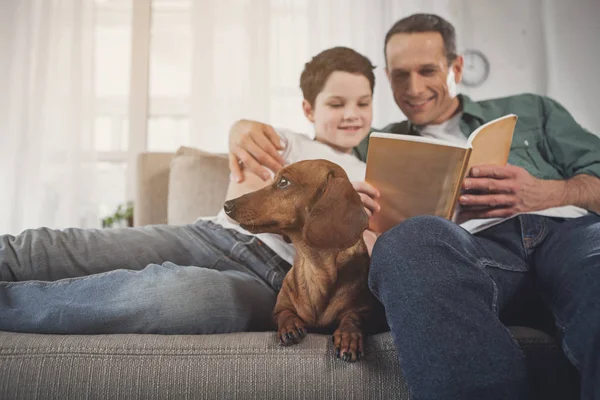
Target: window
x=170 y=75
x=168 y=32
x=112 y=61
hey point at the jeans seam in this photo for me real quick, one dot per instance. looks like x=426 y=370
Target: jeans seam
x=64 y=281
x=531 y=243
x=486 y=263
x=570 y=354
x=493 y=264
x=275 y=272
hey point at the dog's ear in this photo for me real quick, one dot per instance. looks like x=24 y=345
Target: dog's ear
x=338 y=219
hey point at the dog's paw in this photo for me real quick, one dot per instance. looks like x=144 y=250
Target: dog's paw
x=348 y=346
x=291 y=332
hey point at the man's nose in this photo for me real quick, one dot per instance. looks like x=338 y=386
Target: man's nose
x=415 y=85
x=228 y=207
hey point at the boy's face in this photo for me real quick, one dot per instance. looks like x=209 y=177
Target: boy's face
x=343 y=111
x=418 y=70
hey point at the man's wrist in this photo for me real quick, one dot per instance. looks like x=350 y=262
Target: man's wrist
x=557 y=193
x=581 y=191
x=574 y=191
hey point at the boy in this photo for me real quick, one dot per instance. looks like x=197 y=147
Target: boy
x=207 y=277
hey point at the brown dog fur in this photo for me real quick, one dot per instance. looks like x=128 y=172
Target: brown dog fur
x=314 y=205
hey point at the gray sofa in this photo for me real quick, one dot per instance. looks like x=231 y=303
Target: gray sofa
x=176 y=189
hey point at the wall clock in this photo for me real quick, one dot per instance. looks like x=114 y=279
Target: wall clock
x=476 y=68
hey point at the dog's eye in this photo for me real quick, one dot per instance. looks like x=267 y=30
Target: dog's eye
x=282 y=183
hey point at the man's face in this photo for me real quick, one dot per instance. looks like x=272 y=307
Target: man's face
x=418 y=70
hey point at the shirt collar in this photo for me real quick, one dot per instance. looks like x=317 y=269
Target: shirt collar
x=468 y=108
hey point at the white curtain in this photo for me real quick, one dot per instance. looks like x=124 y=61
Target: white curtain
x=248 y=56
x=46 y=160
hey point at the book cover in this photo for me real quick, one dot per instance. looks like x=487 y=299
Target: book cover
x=418 y=175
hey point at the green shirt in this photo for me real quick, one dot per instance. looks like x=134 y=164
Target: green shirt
x=547 y=142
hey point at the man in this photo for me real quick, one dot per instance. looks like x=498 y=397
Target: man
x=534 y=220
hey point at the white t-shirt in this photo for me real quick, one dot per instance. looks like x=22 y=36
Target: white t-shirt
x=299 y=147
x=450 y=130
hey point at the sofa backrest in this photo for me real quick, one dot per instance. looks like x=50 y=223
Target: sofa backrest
x=178 y=188
x=197 y=185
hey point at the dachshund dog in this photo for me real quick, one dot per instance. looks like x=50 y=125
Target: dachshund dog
x=313 y=205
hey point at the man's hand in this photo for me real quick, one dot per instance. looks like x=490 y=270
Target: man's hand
x=500 y=192
x=368 y=195
x=254 y=145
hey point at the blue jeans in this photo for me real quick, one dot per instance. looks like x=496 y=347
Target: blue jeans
x=443 y=290
x=198 y=278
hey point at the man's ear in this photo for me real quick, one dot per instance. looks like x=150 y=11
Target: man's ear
x=308 y=111
x=458 y=66
x=387 y=73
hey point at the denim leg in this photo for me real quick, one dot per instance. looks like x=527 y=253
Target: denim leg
x=162 y=299
x=231 y=286
x=568 y=267
x=442 y=289
x=47 y=254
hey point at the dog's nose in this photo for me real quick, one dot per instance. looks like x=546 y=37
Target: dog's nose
x=228 y=206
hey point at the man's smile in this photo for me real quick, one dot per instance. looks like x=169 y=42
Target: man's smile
x=419 y=105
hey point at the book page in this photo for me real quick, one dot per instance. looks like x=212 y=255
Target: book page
x=413 y=177
x=420 y=139
x=491 y=141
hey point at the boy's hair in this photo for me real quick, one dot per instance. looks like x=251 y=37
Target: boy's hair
x=420 y=23
x=317 y=71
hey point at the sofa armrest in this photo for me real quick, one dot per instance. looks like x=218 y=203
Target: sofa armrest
x=152 y=188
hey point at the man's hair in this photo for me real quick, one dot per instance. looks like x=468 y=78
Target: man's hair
x=317 y=71
x=420 y=23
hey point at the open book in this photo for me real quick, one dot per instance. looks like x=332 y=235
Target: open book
x=417 y=175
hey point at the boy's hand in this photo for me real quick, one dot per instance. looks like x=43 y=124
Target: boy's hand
x=254 y=145
x=370 y=238
x=368 y=194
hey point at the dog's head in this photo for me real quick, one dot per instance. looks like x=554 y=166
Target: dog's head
x=314 y=198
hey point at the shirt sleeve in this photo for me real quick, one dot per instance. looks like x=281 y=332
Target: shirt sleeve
x=571 y=147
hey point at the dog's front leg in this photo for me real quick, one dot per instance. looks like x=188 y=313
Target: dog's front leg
x=348 y=337
x=290 y=327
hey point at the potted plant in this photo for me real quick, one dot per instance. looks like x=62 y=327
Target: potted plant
x=123 y=216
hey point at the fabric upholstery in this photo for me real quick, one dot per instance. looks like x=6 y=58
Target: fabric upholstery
x=197 y=185
x=232 y=366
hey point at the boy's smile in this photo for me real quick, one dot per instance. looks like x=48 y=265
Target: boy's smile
x=350 y=129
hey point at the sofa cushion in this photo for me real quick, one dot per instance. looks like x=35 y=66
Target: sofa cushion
x=151 y=193
x=197 y=185
x=228 y=366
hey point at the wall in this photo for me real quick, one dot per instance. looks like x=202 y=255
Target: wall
x=542 y=46
x=573 y=47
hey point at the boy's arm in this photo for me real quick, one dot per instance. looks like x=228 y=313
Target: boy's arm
x=254 y=146
x=250 y=183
